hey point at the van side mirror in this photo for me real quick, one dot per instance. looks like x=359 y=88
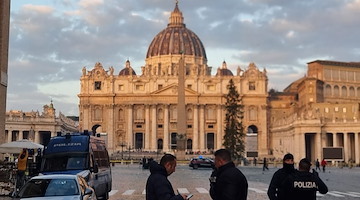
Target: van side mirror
x=94 y=169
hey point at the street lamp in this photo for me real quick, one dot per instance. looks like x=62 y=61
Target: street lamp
x=122 y=150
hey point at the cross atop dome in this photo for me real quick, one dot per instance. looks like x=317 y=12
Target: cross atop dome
x=176 y=17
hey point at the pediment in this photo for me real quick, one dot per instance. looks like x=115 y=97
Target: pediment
x=173 y=90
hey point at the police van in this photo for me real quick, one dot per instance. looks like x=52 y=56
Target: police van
x=83 y=154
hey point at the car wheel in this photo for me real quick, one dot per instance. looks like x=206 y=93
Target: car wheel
x=195 y=166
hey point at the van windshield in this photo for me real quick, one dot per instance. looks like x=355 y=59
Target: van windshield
x=65 y=162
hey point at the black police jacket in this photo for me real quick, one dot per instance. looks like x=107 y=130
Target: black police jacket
x=276 y=189
x=158 y=187
x=303 y=185
x=228 y=183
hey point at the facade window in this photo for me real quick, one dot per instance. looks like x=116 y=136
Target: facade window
x=121 y=88
x=160 y=86
x=121 y=114
x=343 y=91
x=336 y=91
x=358 y=92
x=139 y=87
x=160 y=126
x=352 y=91
x=189 y=86
x=189 y=114
x=160 y=115
x=327 y=90
x=210 y=126
x=210 y=87
x=252 y=114
x=189 y=126
x=210 y=113
x=97 y=85
x=252 y=85
x=97 y=114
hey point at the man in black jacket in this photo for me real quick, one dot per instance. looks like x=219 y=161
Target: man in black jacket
x=158 y=187
x=303 y=184
x=227 y=182
x=276 y=188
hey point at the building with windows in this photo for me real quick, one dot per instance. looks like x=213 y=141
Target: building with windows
x=320 y=110
x=36 y=126
x=140 y=111
x=4 y=47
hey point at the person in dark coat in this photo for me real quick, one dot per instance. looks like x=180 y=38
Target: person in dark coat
x=276 y=188
x=227 y=182
x=158 y=187
x=303 y=184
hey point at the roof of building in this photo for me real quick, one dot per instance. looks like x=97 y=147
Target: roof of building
x=336 y=63
x=176 y=39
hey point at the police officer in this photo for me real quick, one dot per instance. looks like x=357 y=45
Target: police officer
x=304 y=184
x=276 y=188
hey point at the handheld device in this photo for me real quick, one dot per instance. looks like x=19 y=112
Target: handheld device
x=189 y=196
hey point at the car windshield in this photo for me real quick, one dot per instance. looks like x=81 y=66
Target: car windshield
x=49 y=187
x=62 y=163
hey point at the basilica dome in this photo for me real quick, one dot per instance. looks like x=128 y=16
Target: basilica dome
x=176 y=39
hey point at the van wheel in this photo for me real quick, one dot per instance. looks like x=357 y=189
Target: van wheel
x=195 y=166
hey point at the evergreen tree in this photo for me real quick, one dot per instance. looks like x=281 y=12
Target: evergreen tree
x=234 y=130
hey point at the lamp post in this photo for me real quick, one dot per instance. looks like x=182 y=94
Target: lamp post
x=122 y=150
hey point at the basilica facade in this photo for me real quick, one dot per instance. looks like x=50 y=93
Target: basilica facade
x=140 y=110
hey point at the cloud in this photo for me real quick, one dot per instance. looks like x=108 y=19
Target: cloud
x=50 y=41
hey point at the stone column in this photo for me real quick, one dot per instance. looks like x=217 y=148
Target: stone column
x=219 y=123
x=110 y=128
x=10 y=132
x=202 y=128
x=21 y=135
x=357 y=149
x=153 y=128
x=196 y=129
x=37 y=137
x=346 y=147
x=130 y=126
x=318 y=145
x=147 y=128
x=166 y=129
x=335 y=143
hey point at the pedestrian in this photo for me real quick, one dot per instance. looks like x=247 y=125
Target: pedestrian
x=276 y=189
x=265 y=164
x=317 y=165
x=158 y=187
x=323 y=164
x=227 y=182
x=21 y=168
x=303 y=184
x=255 y=160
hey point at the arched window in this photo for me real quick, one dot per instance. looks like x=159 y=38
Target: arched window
x=336 y=91
x=352 y=91
x=121 y=114
x=327 y=90
x=343 y=91
x=189 y=114
x=189 y=144
x=160 y=144
x=160 y=115
x=252 y=129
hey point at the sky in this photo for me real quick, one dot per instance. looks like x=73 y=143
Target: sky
x=52 y=40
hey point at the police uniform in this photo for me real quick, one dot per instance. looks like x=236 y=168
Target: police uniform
x=303 y=185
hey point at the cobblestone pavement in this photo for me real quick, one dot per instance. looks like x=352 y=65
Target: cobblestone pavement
x=129 y=182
